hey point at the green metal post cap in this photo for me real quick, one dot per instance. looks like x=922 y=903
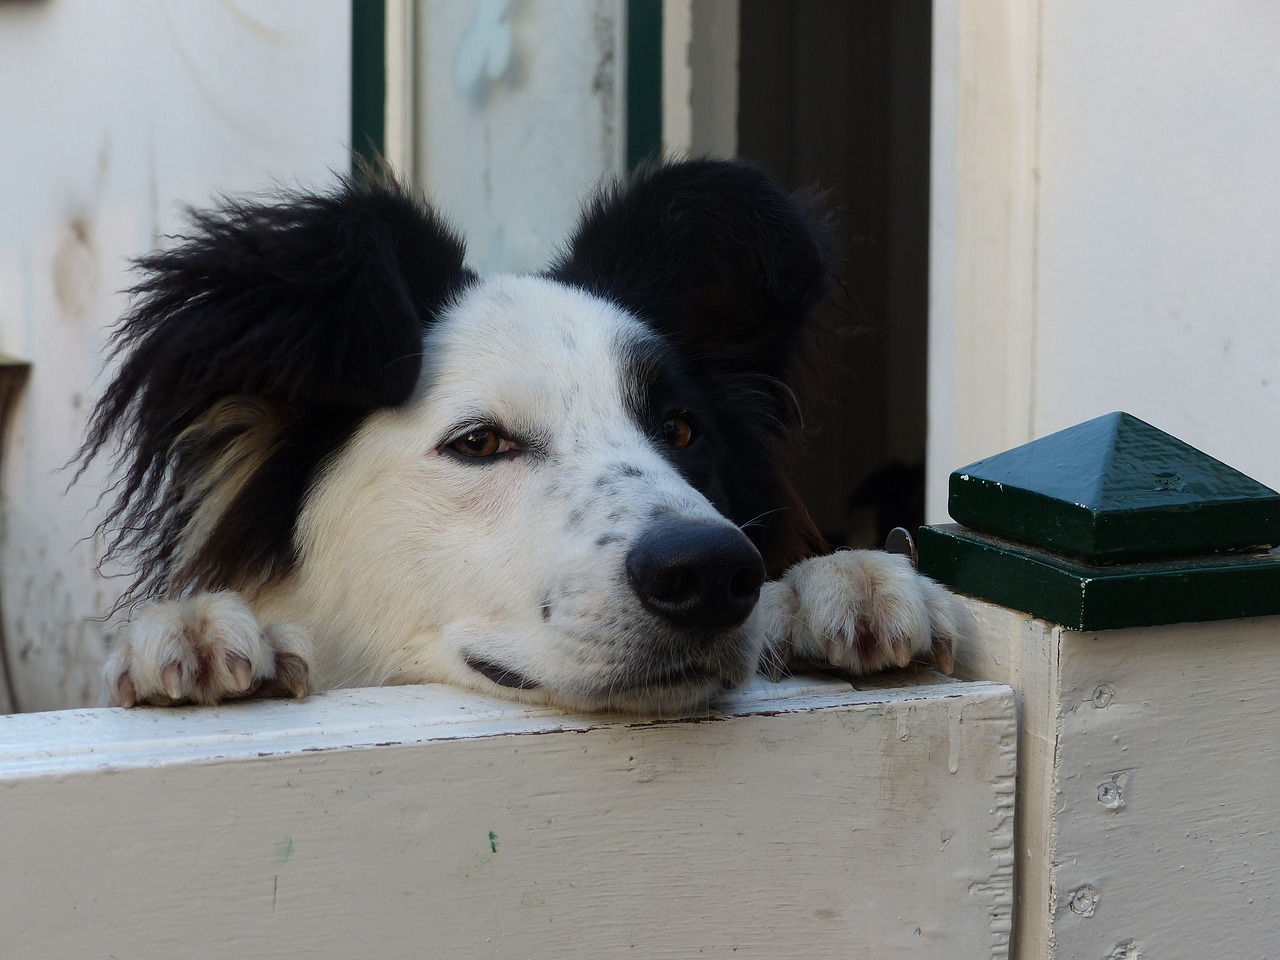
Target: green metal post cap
x=1115 y=489
x=1111 y=523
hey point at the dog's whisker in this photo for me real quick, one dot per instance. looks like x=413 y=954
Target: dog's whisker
x=416 y=355
x=773 y=664
x=756 y=519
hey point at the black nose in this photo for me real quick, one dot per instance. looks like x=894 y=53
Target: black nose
x=696 y=573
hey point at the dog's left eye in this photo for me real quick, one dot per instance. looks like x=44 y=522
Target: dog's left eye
x=480 y=442
x=678 y=432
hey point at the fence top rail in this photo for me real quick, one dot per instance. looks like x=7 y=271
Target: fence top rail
x=74 y=741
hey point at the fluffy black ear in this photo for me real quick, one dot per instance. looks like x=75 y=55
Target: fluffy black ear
x=253 y=349
x=714 y=254
x=731 y=269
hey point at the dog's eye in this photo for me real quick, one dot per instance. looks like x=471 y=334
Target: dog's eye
x=482 y=442
x=677 y=432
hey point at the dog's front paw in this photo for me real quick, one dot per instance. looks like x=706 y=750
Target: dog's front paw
x=858 y=610
x=205 y=649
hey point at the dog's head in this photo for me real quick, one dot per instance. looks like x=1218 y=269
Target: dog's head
x=569 y=487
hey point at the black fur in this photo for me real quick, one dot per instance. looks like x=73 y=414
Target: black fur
x=314 y=305
x=731 y=270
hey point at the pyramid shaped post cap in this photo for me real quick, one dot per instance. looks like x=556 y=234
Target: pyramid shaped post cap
x=1115 y=490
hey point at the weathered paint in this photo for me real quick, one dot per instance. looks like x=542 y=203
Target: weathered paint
x=1101 y=597
x=1115 y=489
x=809 y=819
x=1110 y=523
x=1147 y=795
x=521 y=111
x=127 y=112
x=1086 y=254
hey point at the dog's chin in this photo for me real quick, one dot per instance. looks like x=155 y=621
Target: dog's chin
x=672 y=697
x=648 y=688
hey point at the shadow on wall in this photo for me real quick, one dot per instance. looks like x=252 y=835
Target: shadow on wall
x=13 y=374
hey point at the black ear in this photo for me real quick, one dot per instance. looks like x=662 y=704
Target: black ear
x=308 y=298
x=254 y=347
x=712 y=253
x=731 y=269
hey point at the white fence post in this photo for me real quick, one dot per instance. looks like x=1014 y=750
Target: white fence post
x=1145 y=666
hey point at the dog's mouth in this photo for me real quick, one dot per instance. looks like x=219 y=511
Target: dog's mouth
x=692 y=678
x=502 y=676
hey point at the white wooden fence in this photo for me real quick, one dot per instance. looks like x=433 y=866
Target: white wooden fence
x=807 y=819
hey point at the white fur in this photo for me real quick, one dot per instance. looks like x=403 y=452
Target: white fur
x=820 y=608
x=203 y=649
x=412 y=559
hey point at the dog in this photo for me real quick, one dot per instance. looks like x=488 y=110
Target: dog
x=342 y=458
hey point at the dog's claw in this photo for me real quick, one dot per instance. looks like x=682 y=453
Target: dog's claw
x=126 y=693
x=171 y=681
x=241 y=673
x=205 y=650
x=901 y=648
x=292 y=675
x=944 y=655
x=836 y=647
x=863 y=611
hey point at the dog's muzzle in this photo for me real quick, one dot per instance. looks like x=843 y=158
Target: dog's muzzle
x=696 y=574
x=701 y=578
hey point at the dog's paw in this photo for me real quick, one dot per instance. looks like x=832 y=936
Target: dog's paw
x=204 y=650
x=858 y=610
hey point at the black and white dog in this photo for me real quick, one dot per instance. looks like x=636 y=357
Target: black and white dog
x=345 y=459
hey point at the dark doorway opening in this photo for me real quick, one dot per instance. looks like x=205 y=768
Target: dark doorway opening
x=836 y=93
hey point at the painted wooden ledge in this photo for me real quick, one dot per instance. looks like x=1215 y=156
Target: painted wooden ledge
x=805 y=819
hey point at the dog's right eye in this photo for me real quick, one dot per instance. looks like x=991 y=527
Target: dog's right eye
x=480 y=442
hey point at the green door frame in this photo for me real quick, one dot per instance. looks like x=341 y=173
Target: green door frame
x=369 y=79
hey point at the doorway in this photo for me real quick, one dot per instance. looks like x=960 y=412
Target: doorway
x=837 y=94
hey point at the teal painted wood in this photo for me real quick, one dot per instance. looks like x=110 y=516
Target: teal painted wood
x=1110 y=523
x=1082 y=596
x=644 y=80
x=1115 y=489
x=368 y=80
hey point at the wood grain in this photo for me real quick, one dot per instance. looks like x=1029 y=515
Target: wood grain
x=808 y=819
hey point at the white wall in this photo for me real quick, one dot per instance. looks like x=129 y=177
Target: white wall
x=1105 y=225
x=114 y=116
x=699 y=78
x=520 y=114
